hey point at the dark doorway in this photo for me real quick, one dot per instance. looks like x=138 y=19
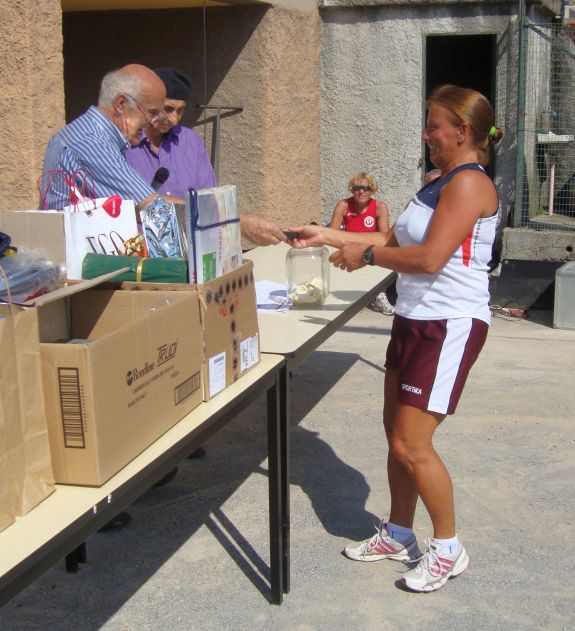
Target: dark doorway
x=464 y=60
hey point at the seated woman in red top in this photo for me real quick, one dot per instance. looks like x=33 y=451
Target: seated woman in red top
x=363 y=213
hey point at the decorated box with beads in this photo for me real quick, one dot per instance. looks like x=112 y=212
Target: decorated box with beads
x=229 y=318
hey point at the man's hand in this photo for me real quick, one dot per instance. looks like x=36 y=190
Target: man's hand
x=259 y=230
x=349 y=257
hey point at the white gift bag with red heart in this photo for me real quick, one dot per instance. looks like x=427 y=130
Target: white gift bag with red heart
x=97 y=226
x=91 y=225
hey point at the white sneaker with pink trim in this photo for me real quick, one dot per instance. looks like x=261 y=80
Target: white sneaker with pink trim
x=382 y=546
x=382 y=304
x=435 y=568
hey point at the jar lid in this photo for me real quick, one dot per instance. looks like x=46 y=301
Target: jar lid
x=313 y=249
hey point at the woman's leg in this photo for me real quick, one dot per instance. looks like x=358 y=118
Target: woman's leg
x=402 y=487
x=413 y=456
x=399 y=546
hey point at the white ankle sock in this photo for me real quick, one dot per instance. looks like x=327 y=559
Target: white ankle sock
x=450 y=546
x=399 y=533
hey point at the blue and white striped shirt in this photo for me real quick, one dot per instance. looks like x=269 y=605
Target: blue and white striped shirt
x=94 y=144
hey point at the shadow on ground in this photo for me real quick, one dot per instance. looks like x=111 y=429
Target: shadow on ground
x=163 y=519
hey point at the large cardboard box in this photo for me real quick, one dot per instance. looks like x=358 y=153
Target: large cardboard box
x=36 y=229
x=228 y=310
x=127 y=370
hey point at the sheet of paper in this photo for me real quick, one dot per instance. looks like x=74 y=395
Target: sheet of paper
x=272 y=297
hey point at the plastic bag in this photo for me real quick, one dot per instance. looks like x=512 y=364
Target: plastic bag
x=29 y=274
x=162 y=230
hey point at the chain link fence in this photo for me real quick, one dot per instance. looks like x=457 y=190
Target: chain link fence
x=545 y=197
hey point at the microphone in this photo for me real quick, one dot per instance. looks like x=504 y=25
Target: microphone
x=160 y=176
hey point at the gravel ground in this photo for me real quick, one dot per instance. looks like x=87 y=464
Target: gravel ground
x=196 y=553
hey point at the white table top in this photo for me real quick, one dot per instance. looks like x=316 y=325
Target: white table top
x=69 y=503
x=285 y=333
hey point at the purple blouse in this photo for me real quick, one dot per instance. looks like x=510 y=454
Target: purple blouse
x=183 y=153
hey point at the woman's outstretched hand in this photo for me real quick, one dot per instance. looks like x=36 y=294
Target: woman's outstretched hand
x=313 y=235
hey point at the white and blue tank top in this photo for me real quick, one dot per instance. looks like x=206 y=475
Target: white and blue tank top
x=461 y=288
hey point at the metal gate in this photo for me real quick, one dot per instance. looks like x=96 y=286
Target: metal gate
x=545 y=168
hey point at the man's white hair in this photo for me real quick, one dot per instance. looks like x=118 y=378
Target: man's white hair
x=117 y=82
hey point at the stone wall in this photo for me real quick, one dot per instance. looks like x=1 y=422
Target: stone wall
x=32 y=99
x=373 y=90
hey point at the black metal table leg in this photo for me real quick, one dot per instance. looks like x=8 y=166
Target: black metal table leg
x=285 y=473
x=275 y=495
x=76 y=557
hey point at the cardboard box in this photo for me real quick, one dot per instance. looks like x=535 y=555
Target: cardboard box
x=36 y=229
x=230 y=326
x=229 y=318
x=131 y=371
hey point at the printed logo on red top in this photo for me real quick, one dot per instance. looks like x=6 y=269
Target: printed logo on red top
x=369 y=222
x=113 y=206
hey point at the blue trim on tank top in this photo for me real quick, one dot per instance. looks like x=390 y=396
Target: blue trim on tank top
x=429 y=194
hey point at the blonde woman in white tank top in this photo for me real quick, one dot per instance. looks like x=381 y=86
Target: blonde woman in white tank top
x=440 y=246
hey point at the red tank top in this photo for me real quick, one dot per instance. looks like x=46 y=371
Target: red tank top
x=360 y=222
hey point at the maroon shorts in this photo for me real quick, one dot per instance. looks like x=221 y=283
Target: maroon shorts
x=433 y=359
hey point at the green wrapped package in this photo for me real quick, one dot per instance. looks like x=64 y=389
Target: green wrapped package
x=160 y=270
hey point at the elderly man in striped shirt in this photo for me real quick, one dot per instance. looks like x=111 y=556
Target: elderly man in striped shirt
x=130 y=98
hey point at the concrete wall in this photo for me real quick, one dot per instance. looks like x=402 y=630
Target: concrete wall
x=550 y=6
x=264 y=59
x=32 y=95
x=373 y=92
x=538 y=245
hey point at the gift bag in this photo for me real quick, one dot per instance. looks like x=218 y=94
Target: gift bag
x=38 y=477
x=27 y=447
x=99 y=226
x=91 y=224
x=10 y=480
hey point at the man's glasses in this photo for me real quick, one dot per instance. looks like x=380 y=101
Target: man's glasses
x=356 y=188
x=151 y=115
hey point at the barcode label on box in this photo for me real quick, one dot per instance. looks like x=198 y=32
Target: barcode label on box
x=249 y=352
x=187 y=388
x=71 y=408
x=217 y=373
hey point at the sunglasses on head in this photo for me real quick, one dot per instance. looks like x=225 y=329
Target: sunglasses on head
x=356 y=187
